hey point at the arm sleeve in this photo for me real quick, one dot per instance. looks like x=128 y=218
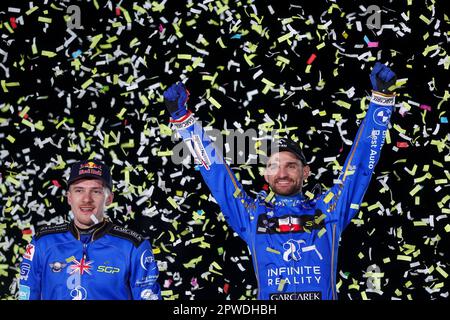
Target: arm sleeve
x=144 y=273
x=221 y=181
x=30 y=273
x=344 y=198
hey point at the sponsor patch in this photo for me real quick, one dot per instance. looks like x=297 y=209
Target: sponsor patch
x=200 y=151
x=148 y=294
x=146 y=259
x=382 y=101
x=312 y=295
x=185 y=123
x=24 y=271
x=29 y=252
x=381 y=116
x=24 y=292
x=57 y=266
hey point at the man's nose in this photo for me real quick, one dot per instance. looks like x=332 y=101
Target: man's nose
x=282 y=172
x=87 y=197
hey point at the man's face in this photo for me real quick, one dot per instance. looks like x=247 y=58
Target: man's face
x=285 y=173
x=88 y=197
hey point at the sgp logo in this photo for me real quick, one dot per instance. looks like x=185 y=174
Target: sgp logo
x=108 y=269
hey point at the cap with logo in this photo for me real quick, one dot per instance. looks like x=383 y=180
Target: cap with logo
x=90 y=169
x=285 y=144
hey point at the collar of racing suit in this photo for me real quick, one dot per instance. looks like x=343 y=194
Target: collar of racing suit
x=289 y=201
x=100 y=230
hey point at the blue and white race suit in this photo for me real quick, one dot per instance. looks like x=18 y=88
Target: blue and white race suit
x=294 y=240
x=113 y=264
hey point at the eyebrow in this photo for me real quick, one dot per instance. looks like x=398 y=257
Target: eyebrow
x=287 y=163
x=83 y=188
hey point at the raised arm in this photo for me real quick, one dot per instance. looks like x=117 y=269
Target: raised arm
x=228 y=192
x=344 y=198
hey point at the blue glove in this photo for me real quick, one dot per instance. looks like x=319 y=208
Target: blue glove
x=382 y=78
x=175 y=99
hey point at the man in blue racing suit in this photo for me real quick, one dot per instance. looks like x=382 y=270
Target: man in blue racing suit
x=293 y=240
x=89 y=258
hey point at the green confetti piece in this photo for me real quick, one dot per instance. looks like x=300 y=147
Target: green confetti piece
x=87 y=83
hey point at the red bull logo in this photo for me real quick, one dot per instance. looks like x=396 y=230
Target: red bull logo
x=90 y=168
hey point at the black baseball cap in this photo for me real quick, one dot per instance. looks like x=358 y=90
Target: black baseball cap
x=90 y=169
x=286 y=144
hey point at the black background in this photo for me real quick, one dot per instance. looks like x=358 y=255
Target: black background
x=375 y=239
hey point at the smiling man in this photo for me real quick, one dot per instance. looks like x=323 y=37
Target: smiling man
x=89 y=258
x=293 y=239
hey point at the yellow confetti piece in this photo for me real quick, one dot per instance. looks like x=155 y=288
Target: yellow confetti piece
x=281 y=285
x=28 y=123
x=87 y=126
x=415 y=190
x=343 y=104
x=447 y=228
x=87 y=83
x=328 y=197
x=95 y=40
x=442 y=272
x=70 y=259
x=172 y=202
x=308 y=68
x=309 y=195
x=386 y=260
x=399 y=129
x=10 y=138
x=404 y=258
x=45 y=19
x=284 y=37
x=268 y=249
x=120 y=114
x=424 y=19
x=214 y=102
x=321 y=232
x=49 y=54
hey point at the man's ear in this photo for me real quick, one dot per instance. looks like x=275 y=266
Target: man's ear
x=110 y=198
x=266 y=178
x=69 y=197
x=306 y=172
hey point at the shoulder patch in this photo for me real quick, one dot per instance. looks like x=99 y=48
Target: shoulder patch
x=128 y=234
x=44 y=230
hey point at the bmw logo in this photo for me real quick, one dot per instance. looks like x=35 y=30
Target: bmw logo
x=381 y=116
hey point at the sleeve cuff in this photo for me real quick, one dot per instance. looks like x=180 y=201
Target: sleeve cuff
x=383 y=99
